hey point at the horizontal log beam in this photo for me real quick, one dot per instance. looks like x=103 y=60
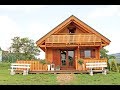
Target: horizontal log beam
x=43 y=46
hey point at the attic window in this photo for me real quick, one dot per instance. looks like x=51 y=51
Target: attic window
x=71 y=31
x=71 y=28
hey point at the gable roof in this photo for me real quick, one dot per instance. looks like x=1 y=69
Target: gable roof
x=74 y=19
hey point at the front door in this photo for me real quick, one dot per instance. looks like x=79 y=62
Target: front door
x=67 y=59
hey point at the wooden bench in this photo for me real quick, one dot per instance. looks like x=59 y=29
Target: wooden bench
x=16 y=66
x=92 y=66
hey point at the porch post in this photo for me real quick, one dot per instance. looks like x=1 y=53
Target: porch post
x=99 y=52
x=77 y=57
x=45 y=52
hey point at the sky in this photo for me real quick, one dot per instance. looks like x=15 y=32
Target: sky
x=34 y=21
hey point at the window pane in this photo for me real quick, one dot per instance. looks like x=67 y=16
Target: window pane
x=63 y=58
x=87 y=53
x=70 y=57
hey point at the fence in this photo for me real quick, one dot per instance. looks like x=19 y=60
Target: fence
x=35 y=65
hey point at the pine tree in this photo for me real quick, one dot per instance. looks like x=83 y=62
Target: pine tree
x=113 y=66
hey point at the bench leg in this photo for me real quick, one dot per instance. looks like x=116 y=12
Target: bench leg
x=104 y=72
x=27 y=72
x=91 y=72
x=24 y=72
x=12 y=72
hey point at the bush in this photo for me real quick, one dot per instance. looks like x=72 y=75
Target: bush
x=58 y=67
x=43 y=61
x=108 y=65
x=80 y=61
x=113 y=66
x=119 y=68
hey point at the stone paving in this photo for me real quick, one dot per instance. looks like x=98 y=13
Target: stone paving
x=64 y=78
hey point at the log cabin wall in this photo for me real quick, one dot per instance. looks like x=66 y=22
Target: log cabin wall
x=49 y=55
x=97 y=53
x=53 y=56
x=56 y=57
x=65 y=30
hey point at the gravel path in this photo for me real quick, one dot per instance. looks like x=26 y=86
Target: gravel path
x=63 y=79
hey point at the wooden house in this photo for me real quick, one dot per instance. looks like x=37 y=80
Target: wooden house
x=70 y=41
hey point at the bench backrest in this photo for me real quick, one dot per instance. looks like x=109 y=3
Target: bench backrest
x=98 y=64
x=17 y=65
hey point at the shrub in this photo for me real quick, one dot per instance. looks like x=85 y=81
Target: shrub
x=113 y=66
x=43 y=61
x=58 y=67
x=108 y=65
x=119 y=68
x=80 y=61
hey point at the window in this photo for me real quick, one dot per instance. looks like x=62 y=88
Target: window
x=71 y=31
x=87 y=53
x=81 y=53
x=71 y=27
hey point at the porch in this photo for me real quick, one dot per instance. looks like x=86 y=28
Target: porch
x=39 y=68
x=90 y=60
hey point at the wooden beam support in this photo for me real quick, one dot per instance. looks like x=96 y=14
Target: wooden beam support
x=45 y=51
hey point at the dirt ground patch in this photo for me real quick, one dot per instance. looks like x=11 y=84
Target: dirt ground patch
x=65 y=78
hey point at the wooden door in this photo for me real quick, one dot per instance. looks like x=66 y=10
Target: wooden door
x=67 y=59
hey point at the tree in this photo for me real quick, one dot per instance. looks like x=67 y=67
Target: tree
x=103 y=53
x=24 y=48
x=113 y=66
x=111 y=57
x=0 y=49
x=16 y=46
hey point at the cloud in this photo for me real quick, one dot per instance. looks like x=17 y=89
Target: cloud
x=109 y=10
x=25 y=8
x=114 y=45
x=8 y=29
x=7 y=24
x=36 y=31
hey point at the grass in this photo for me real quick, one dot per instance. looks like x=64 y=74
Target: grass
x=19 y=79
x=113 y=78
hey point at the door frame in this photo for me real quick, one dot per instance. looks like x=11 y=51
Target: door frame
x=67 y=66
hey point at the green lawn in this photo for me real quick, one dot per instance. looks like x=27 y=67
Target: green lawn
x=112 y=78
x=19 y=79
x=97 y=79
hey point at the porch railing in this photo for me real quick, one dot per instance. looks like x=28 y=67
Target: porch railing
x=79 y=38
